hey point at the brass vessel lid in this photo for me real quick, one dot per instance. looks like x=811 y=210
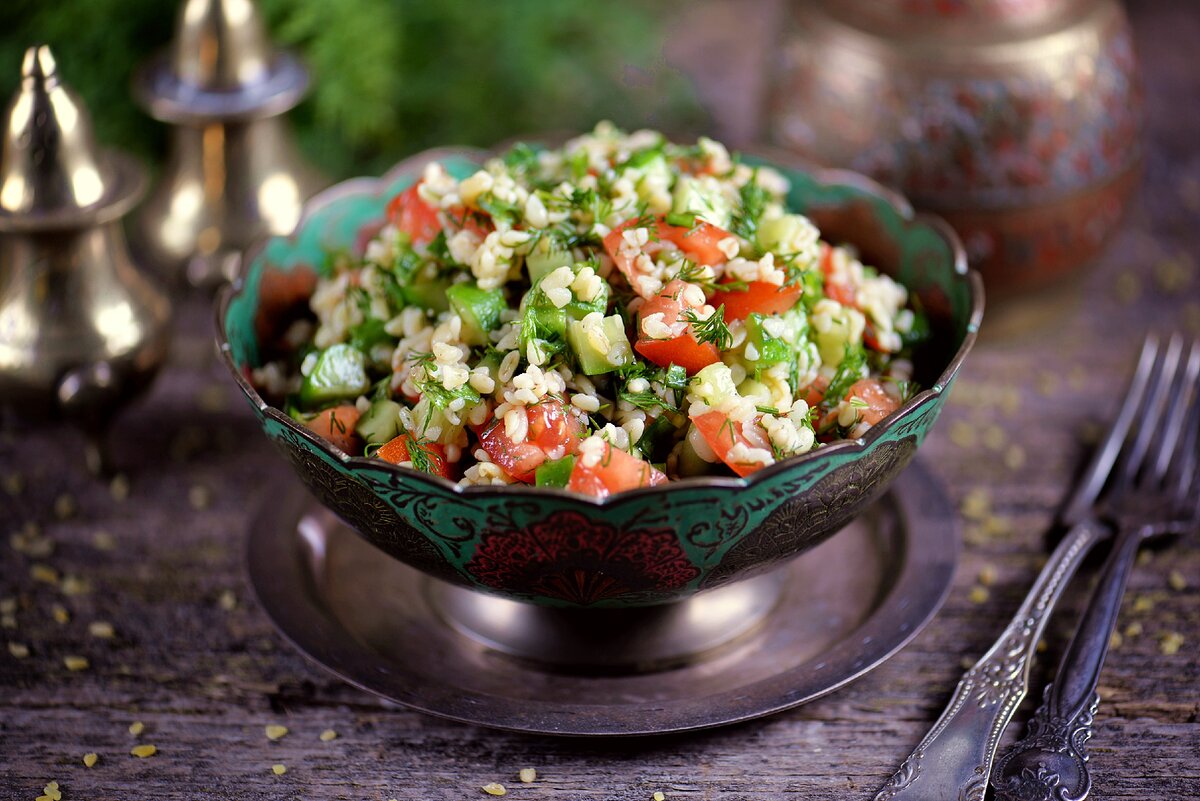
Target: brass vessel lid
x=52 y=174
x=220 y=66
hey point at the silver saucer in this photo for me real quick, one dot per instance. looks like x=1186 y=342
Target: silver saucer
x=809 y=628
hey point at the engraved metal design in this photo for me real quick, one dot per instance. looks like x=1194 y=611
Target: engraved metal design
x=963 y=742
x=1048 y=763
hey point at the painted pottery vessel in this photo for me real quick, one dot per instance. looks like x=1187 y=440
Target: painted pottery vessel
x=646 y=546
x=1018 y=121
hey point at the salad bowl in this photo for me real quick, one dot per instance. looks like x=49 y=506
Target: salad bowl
x=542 y=547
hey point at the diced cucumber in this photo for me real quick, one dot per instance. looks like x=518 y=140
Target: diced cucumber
x=380 y=423
x=701 y=196
x=545 y=258
x=594 y=360
x=556 y=473
x=339 y=373
x=845 y=330
x=770 y=350
x=428 y=291
x=479 y=309
x=690 y=463
x=578 y=309
x=749 y=388
x=789 y=234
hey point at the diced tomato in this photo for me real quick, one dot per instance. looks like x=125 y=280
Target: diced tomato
x=835 y=290
x=722 y=434
x=616 y=471
x=760 y=297
x=816 y=391
x=683 y=350
x=699 y=244
x=337 y=426
x=554 y=431
x=399 y=450
x=413 y=216
x=879 y=403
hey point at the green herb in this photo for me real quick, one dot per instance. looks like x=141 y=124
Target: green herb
x=713 y=329
x=851 y=369
x=438 y=249
x=646 y=401
x=369 y=333
x=589 y=201
x=417 y=453
x=441 y=397
x=753 y=203
x=522 y=158
x=695 y=274
x=771 y=410
x=500 y=212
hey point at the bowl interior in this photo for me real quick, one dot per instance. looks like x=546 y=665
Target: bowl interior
x=639 y=547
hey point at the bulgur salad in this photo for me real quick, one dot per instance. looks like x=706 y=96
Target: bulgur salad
x=611 y=314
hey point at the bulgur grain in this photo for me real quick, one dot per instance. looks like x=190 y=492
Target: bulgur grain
x=143 y=751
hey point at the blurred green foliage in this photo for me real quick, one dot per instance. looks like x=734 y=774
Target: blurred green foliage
x=389 y=76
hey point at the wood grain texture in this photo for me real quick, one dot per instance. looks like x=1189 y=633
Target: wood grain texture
x=206 y=680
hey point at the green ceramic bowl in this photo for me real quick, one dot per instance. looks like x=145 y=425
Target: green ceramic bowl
x=637 y=548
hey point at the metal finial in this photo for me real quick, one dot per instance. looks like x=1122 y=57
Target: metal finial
x=50 y=163
x=220 y=45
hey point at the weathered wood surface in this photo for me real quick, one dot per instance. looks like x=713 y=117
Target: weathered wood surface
x=206 y=676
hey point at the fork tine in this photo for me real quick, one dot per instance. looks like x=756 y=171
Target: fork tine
x=1150 y=418
x=1175 y=459
x=1178 y=399
x=1105 y=456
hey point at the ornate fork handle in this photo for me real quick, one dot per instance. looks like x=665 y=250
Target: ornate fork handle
x=954 y=760
x=1050 y=761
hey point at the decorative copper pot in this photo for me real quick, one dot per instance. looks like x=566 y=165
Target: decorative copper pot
x=81 y=329
x=233 y=173
x=1016 y=120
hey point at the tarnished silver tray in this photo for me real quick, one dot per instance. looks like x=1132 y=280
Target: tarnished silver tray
x=833 y=614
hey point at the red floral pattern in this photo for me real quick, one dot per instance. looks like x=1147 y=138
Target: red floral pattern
x=571 y=558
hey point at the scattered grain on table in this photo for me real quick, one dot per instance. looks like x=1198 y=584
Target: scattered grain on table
x=136 y=728
x=987 y=575
x=963 y=434
x=31 y=542
x=65 y=506
x=659 y=796
x=1042 y=646
x=494 y=788
x=119 y=487
x=978 y=594
x=75 y=663
x=1143 y=603
x=1170 y=642
x=8 y=606
x=51 y=792
x=1115 y=640
x=8 y=621
x=1143 y=558
x=527 y=775
x=994 y=438
x=143 y=751
x=977 y=504
x=14 y=483
x=328 y=735
x=1134 y=629
x=1174 y=275
x=212 y=398
x=75 y=585
x=90 y=760
x=101 y=629
x=279 y=769
x=60 y=614
x=276 y=732
x=1047 y=383
x=227 y=600
x=1014 y=457
x=1128 y=287
x=104 y=541
x=43 y=573
x=18 y=650
x=1177 y=581
x=199 y=496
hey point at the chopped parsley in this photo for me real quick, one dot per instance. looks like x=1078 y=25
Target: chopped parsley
x=852 y=368
x=750 y=211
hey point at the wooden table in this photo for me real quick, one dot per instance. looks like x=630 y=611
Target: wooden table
x=193 y=659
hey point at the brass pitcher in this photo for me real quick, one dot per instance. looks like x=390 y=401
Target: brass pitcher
x=1018 y=121
x=233 y=173
x=81 y=329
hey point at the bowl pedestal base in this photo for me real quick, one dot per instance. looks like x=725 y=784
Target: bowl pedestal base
x=611 y=640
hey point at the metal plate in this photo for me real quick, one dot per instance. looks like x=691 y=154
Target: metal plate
x=849 y=604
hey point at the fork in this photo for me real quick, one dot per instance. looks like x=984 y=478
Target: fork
x=954 y=760
x=1154 y=491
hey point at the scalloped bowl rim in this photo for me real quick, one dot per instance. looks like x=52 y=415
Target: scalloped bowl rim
x=824 y=176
